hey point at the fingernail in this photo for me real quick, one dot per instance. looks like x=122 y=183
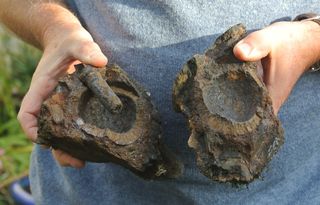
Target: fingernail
x=245 y=49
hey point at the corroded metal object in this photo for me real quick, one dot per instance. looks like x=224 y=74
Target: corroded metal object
x=234 y=131
x=77 y=120
x=99 y=87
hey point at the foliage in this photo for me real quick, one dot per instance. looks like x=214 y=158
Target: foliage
x=17 y=63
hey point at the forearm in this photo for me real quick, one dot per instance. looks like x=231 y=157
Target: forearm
x=37 y=21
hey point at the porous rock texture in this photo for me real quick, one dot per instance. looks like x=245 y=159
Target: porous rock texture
x=74 y=120
x=234 y=130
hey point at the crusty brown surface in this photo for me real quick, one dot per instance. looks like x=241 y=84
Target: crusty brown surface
x=234 y=131
x=74 y=120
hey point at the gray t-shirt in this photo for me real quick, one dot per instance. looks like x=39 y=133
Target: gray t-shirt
x=151 y=40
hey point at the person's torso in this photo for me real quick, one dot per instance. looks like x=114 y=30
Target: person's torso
x=151 y=40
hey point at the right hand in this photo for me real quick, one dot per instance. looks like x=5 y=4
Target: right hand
x=65 y=46
x=282 y=69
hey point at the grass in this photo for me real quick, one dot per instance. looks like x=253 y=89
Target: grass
x=17 y=63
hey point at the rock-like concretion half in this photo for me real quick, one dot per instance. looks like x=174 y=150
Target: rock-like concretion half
x=234 y=131
x=75 y=120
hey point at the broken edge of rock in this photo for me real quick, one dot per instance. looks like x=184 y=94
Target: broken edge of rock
x=233 y=129
x=73 y=120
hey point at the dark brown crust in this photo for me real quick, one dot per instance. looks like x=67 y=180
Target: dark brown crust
x=72 y=120
x=234 y=131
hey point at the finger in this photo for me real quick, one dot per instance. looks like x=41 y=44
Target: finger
x=31 y=104
x=71 y=68
x=65 y=159
x=28 y=124
x=254 y=47
x=89 y=52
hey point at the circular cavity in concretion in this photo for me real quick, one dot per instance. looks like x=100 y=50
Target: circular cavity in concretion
x=235 y=96
x=81 y=117
x=234 y=130
x=95 y=113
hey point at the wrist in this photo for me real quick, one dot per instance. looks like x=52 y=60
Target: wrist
x=312 y=24
x=316 y=30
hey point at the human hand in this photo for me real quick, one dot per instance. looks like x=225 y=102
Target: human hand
x=65 y=46
x=286 y=51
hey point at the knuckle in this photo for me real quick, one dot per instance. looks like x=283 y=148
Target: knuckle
x=84 y=48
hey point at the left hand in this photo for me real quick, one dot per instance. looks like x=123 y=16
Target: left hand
x=286 y=51
x=68 y=45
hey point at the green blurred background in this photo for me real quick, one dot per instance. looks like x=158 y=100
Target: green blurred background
x=17 y=63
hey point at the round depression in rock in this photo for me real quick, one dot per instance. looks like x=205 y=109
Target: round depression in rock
x=92 y=111
x=233 y=128
x=233 y=96
x=82 y=118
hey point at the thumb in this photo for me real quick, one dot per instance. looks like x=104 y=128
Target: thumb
x=254 y=47
x=89 y=53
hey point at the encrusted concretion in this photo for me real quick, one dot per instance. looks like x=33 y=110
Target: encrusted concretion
x=75 y=120
x=234 y=131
